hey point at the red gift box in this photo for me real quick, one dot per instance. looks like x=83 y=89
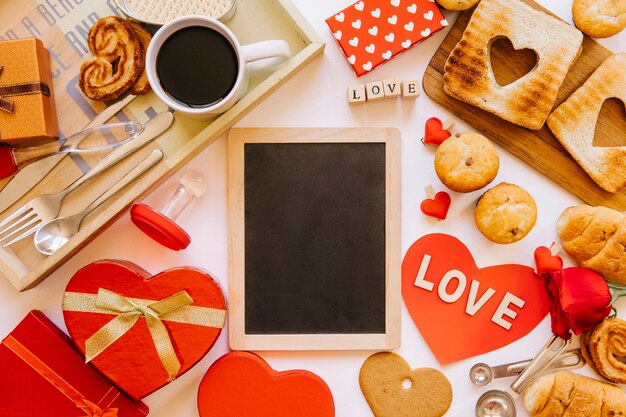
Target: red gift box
x=43 y=376
x=371 y=32
x=142 y=331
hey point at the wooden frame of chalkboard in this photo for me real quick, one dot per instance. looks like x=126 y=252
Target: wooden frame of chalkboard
x=314 y=238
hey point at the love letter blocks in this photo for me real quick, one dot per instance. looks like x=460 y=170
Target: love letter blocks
x=43 y=376
x=371 y=32
x=27 y=111
x=143 y=331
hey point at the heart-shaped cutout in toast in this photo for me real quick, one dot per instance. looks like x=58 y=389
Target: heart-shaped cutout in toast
x=509 y=64
x=393 y=389
x=610 y=128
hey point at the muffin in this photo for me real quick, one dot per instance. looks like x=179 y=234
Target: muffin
x=457 y=4
x=599 y=19
x=466 y=162
x=506 y=213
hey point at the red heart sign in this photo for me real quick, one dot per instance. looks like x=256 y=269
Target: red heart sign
x=132 y=361
x=546 y=262
x=241 y=384
x=437 y=207
x=462 y=310
x=434 y=133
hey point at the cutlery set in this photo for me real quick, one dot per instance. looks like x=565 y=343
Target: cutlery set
x=40 y=215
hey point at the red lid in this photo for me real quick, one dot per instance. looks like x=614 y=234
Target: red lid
x=158 y=227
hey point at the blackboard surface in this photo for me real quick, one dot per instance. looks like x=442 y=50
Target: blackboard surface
x=314 y=238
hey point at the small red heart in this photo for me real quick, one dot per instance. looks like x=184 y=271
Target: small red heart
x=463 y=326
x=546 y=262
x=437 y=207
x=241 y=384
x=434 y=133
x=132 y=362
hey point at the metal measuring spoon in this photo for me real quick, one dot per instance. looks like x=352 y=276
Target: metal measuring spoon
x=497 y=403
x=482 y=374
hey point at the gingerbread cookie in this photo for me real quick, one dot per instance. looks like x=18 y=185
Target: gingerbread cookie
x=506 y=213
x=466 y=162
x=599 y=18
x=457 y=4
x=393 y=389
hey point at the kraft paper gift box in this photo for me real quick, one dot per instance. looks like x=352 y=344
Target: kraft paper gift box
x=27 y=111
x=371 y=32
x=43 y=376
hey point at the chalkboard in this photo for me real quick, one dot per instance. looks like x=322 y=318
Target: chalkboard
x=312 y=238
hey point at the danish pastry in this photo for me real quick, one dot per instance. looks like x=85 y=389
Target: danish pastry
x=141 y=86
x=607 y=344
x=117 y=59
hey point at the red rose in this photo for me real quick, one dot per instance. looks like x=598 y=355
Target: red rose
x=579 y=300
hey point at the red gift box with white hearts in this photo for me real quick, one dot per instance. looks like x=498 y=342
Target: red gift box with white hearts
x=44 y=376
x=371 y=32
x=142 y=331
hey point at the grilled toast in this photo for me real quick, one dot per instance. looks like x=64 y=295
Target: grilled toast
x=574 y=124
x=527 y=101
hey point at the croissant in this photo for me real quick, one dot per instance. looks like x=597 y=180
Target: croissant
x=565 y=394
x=596 y=238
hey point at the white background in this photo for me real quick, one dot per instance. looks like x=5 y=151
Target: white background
x=316 y=97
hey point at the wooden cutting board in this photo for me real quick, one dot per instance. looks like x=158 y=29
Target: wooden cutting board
x=539 y=149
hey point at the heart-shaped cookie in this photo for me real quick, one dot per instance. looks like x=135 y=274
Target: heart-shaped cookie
x=455 y=304
x=241 y=384
x=393 y=389
x=437 y=207
x=546 y=262
x=434 y=133
x=104 y=297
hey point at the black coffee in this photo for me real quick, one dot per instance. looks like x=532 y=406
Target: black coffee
x=197 y=66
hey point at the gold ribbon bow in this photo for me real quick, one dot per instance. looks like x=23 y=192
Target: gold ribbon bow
x=20 y=89
x=129 y=313
x=93 y=410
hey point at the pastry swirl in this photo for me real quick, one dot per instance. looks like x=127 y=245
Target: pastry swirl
x=607 y=344
x=117 y=60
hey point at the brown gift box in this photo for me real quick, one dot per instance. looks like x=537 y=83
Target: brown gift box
x=27 y=112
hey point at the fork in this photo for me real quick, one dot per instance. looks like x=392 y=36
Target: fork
x=27 y=219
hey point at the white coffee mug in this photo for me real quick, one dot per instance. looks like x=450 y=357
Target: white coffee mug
x=274 y=50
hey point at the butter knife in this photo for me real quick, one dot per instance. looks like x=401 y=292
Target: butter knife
x=25 y=179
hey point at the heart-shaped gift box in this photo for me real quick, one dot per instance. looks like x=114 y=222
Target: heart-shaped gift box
x=143 y=331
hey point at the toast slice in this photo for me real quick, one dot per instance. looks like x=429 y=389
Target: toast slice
x=527 y=101
x=574 y=124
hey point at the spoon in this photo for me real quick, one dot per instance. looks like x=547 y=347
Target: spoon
x=482 y=374
x=56 y=233
x=497 y=403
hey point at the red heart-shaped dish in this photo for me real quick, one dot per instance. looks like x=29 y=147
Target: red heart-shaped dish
x=131 y=361
x=437 y=207
x=241 y=384
x=434 y=133
x=462 y=310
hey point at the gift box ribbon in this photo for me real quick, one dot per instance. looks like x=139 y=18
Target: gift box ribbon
x=91 y=409
x=19 y=89
x=175 y=308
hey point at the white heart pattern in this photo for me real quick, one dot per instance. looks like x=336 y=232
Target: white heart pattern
x=373 y=30
x=359 y=6
x=429 y=15
x=406 y=43
x=354 y=41
x=393 y=19
x=367 y=66
x=412 y=8
x=371 y=48
x=409 y=27
x=352 y=59
x=426 y=32
x=338 y=35
x=444 y=22
x=387 y=55
x=357 y=24
x=389 y=38
x=395 y=3
x=339 y=17
x=376 y=13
